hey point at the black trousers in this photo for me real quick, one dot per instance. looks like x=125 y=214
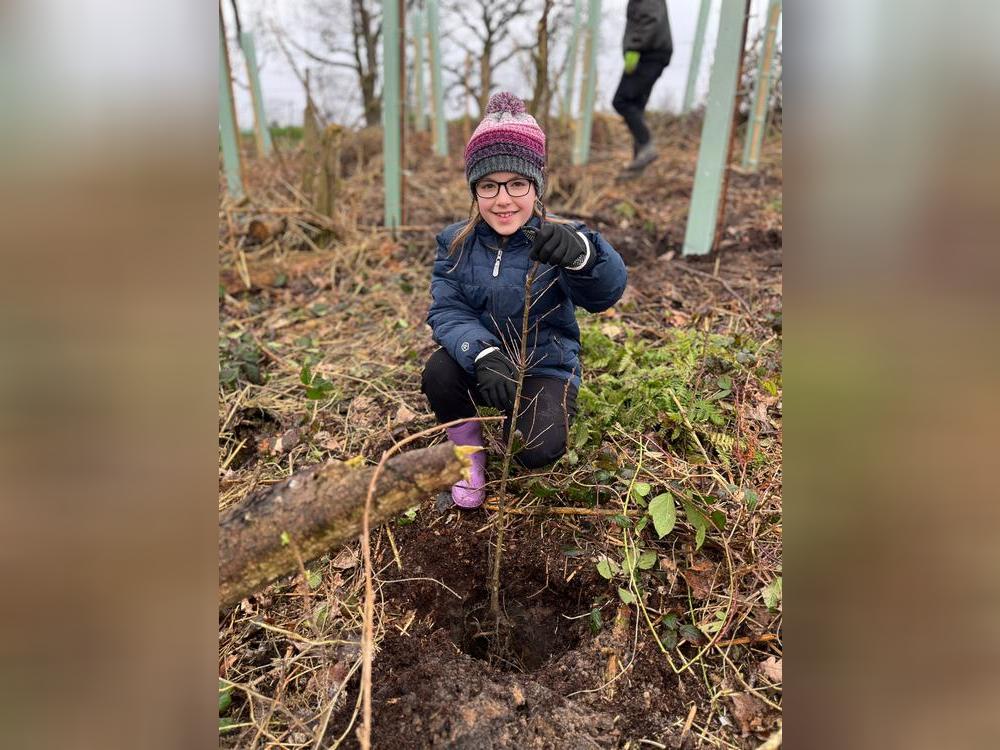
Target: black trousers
x=543 y=418
x=633 y=95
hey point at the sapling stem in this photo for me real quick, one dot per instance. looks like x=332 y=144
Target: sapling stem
x=505 y=471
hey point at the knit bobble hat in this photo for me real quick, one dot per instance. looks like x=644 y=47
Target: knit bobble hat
x=507 y=140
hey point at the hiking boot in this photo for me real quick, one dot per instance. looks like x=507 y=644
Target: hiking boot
x=645 y=156
x=471 y=492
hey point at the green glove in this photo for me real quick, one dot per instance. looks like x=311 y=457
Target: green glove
x=631 y=61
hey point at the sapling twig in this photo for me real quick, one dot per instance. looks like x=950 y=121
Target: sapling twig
x=505 y=471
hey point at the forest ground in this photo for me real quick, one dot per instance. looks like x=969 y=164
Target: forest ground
x=642 y=571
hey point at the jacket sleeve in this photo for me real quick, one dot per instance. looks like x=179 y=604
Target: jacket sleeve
x=601 y=283
x=455 y=323
x=642 y=21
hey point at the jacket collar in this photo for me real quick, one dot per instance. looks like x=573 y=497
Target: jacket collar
x=485 y=231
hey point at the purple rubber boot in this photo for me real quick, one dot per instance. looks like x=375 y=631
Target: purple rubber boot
x=470 y=494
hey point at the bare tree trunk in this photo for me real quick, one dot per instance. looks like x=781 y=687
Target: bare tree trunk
x=485 y=77
x=311 y=137
x=328 y=175
x=467 y=120
x=366 y=40
x=542 y=94
x=316 y=510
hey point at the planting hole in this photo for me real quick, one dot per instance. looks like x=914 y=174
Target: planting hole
x=532 y=634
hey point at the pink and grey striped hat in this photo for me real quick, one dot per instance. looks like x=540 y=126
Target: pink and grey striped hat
x=507 y=140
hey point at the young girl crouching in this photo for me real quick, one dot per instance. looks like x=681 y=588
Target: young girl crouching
x=478 y=291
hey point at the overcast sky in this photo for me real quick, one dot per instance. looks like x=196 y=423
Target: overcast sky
x=284 y=98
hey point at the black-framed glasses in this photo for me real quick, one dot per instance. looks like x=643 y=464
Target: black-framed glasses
x=516 y=188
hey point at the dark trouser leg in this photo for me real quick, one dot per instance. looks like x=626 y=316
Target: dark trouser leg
x=547 y=409
x=450 y=390
x=633 y=95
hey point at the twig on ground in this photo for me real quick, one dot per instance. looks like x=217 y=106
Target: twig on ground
x=725 y=284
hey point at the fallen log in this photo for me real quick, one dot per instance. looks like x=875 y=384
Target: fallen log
x=319 y=509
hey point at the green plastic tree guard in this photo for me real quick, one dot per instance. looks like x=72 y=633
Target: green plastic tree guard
x=713 y=151
x=762 y=90
x=227 y=121
x=391 y=135
x=572 y=53
x=695 y=67
x=440 y=126
x=581 y=152
x=263 y=135
x=420 y=115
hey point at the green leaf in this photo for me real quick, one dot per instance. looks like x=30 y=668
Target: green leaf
x=621 y=520
x=227 y=725
x=641 y=489
x=305 y=375
x=596 y=623
x=670 y=620
x=629 y=560
x=697 y=519
x=540 y=490
x=252 y=373
x=229 y=373
x=669 y=639
x=320 y=616
x=691 y=634
x=604 y=569
x=225 y=697
x=772 y=593
x=642 y=524
x=626 y=595
x=719 y=519
x=285 y=539
x=664 y=514
x=647 y=560
x=716 y=625
x=314 y=579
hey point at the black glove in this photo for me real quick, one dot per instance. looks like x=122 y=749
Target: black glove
x=558 y=245
x=496 y=379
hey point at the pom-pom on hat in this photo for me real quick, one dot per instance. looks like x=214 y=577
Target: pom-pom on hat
x=507 y=140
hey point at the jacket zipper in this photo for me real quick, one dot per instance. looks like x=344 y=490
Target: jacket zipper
x=496 y=266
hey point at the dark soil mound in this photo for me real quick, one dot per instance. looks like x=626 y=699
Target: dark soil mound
x=448 y=683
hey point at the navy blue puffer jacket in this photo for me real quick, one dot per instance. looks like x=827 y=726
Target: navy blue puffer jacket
x=478 y=299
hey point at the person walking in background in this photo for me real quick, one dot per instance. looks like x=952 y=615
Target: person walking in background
x=647 y=45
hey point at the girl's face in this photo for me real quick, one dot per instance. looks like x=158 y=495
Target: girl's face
x=504 y=212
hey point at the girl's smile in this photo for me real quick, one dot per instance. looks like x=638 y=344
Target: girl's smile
x=503 y=212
